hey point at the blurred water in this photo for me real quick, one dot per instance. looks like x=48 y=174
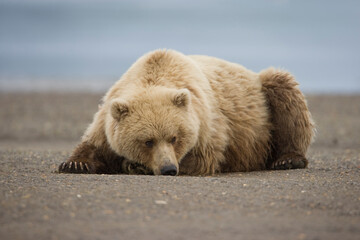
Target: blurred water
x=87 y=45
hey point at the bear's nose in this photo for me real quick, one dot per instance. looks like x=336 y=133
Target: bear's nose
x=169 y=170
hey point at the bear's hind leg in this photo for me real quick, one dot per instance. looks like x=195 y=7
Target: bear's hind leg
x=293 y=127
x=289 y=161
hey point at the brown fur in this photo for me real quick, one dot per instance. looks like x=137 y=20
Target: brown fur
x=293 y=125
x=201 y=114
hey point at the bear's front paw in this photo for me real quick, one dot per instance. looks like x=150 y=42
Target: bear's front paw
x=290 y=162
x=75 y=167
x=135 y=168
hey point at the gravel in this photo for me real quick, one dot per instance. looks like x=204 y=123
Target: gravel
x=39 y=130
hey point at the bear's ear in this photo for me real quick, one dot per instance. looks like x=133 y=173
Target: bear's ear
x=119 y=109
x=181 y=98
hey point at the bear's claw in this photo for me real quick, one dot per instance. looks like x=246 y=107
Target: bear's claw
x=81 y=166
x=74 y=167
x=290 y=162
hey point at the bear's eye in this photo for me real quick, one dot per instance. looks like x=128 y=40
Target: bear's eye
x=149 y=143
x=173 y=140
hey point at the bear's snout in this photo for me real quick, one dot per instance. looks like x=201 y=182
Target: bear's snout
x=169 y=170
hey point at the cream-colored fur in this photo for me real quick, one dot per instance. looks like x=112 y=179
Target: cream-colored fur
x=218 y=113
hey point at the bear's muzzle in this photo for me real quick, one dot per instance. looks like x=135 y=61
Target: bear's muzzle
x=169 y=170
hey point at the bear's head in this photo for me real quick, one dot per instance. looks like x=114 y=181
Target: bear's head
x=156 y=128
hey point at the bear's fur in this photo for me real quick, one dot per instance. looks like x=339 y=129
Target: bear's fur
x=199 y=115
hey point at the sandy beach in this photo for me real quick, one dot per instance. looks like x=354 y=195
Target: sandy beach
x=39 y=130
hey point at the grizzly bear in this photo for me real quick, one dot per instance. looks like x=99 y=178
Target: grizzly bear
x=173 y=114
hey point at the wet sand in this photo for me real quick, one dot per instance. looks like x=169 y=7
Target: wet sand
x=39 y=130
